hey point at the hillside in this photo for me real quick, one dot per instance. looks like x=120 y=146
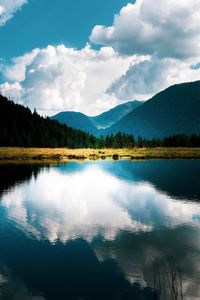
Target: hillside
x=173 y=111
x=20 y=127
x=76 y=120
x=95 y=125
x=110 y=117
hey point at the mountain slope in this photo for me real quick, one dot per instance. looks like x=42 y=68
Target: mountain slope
x=76 y=120
x=94 y=125
x=175 y=110
x=110 y=117
x=19 y=127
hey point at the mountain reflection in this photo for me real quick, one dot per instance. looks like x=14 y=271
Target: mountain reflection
x=118 y=218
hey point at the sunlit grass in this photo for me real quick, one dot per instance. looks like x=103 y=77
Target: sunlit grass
x=8 y=153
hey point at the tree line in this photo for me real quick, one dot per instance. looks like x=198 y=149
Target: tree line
x=122 y=140
x=20 y=127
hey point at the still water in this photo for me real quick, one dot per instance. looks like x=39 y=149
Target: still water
x=93 y=230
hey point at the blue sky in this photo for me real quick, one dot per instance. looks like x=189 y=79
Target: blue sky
x=43 y=22
x=90 y=55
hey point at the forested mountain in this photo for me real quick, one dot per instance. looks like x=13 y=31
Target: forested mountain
x=20 y=127
x=94 y=125
x=113 y=115
x=76 y=120
x=169 y=119
x=173 y=111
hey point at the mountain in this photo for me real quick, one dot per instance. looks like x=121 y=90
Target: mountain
x=19 y=127
x=110 y=117
x=76 y=120
x=95 y=125
x=175 y=110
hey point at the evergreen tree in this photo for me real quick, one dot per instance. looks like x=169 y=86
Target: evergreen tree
x=19 y=127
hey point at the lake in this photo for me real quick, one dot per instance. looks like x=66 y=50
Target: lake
x=99 y=230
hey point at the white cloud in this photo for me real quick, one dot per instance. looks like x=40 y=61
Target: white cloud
x=144 y=51
x=167 y=28
x=12 y=90
x=61 y=78
x=16 y=71
x=8 y=8
x=145 y=79
x=167 y=31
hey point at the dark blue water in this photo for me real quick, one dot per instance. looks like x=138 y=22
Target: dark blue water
x=93 y=230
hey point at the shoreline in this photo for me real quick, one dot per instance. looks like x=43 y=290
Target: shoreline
x=64 y=154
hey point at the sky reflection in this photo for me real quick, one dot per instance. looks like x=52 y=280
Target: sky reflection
x=92 y=203
x=126 y=221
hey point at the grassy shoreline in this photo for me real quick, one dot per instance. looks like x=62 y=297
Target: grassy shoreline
x=57 y=154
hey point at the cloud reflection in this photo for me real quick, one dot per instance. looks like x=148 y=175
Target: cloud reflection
x=91 y=203
x=14 y=288
x=57 y=206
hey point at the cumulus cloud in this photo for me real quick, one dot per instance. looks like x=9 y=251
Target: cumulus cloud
x=169 y=30
x=169 y=34
x=16 y=71
x=147 y=78
x=12 y=90
x=144 y=51
x=61 y=78
x=8 y=8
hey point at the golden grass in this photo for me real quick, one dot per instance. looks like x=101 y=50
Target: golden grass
x=8 y=153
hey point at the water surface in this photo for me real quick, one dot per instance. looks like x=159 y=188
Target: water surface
x=92 y=230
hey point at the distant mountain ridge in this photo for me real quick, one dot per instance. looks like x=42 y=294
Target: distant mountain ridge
x=113 y=115
x=170 y=118
x=76 y=120
x=96 y=125
x=175 y=110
